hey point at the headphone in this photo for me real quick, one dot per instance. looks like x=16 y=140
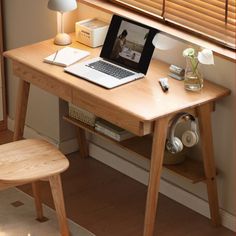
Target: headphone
x=189 y=137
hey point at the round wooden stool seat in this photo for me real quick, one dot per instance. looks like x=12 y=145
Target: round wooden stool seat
x=29 y=160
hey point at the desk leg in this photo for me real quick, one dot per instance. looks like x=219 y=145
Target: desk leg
x=21 y=108
x=204 y=115
x=158 y=147
x=83 y=145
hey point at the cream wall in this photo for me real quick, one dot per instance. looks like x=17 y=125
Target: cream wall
x=223 y=119
x=27 y=22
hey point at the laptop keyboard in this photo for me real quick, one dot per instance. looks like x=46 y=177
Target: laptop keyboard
x=110 y=69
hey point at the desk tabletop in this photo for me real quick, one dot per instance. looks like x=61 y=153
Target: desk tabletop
x=141 y=100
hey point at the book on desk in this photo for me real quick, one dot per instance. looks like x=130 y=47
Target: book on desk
x=66 y=56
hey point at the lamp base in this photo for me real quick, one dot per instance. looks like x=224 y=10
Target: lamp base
x=62 y=39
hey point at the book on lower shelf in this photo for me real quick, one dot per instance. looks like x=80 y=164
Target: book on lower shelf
x=112 y=130
x=81 y=114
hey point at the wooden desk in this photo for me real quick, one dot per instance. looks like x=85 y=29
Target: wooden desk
x=140 y=107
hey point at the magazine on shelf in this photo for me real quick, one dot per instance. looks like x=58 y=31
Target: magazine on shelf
x=112 y=130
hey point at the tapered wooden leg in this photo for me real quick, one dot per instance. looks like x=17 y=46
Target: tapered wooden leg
x=37 y=200
x=83 y=145
x=20 y=115
x=158 y=147
x=57 y=193
x=204 y=115
x=21 y=108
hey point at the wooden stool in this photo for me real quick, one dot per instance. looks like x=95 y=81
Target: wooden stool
x=28 y=161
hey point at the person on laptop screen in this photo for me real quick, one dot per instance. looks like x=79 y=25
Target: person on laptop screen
x=129 y=44
x=119 y=45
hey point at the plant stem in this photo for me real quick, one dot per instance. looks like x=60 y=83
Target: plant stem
x=194 y=64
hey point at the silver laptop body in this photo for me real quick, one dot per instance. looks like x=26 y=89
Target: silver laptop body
x=95 y=76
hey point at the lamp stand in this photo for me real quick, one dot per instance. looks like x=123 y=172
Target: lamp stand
x=62 y=38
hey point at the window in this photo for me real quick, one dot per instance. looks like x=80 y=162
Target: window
x=214 y=19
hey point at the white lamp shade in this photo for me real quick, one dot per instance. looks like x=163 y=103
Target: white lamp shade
x=163 y=42
x=62 y=5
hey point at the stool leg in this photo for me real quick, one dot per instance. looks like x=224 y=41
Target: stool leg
x=57 y=193
x=37 y=200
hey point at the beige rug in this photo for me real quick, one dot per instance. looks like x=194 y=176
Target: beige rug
x=17 y=217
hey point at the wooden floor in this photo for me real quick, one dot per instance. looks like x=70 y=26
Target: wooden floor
x=108 y=203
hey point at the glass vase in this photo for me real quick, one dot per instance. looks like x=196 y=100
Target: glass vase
x=193 y=79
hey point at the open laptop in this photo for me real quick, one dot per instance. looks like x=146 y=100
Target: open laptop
x=125 y=55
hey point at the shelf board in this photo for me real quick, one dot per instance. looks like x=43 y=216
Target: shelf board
x=142 y=146
x=190 y=169
x=89 y=128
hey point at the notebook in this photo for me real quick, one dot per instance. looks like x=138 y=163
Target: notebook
x=66 y=56
x=125 y=55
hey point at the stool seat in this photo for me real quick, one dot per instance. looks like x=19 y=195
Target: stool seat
x=29 y=160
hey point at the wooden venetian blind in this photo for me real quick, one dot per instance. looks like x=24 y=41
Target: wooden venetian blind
x=215 y=19
x=152 y=7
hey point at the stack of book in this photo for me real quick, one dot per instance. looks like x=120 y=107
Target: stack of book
x=81 y=115
x=112 y=130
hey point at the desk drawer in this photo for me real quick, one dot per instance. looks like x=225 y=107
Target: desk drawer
x=111 y=113
x=42 y=81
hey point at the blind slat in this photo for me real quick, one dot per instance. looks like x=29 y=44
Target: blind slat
x=150 y=3
x=216 y=3
x=202 y=18
x=143 y=6
x=206 y=26
x=214 y=35
x=230 y=2
x=201 y=8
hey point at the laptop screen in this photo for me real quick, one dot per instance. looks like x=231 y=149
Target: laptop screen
x=129 y=43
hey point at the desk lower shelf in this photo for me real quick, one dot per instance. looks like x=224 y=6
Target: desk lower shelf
x=190 y=169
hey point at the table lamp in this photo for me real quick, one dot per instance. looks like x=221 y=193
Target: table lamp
x=62 y=6
x=163 y=41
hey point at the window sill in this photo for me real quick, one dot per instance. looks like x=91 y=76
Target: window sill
x=112 y=8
